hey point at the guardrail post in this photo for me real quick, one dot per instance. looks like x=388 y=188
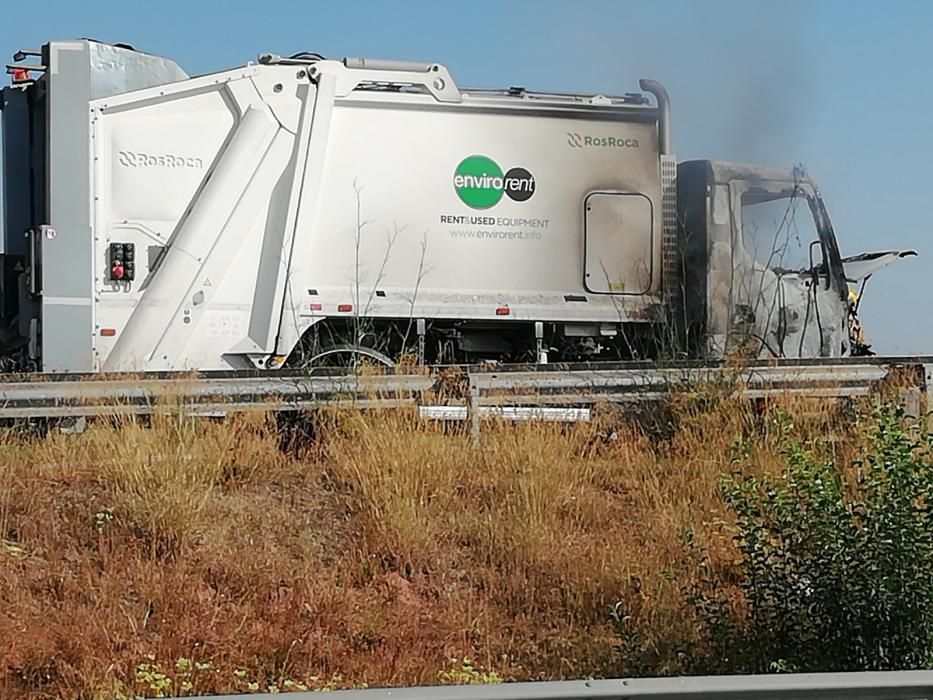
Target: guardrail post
x=928 y=386
x=421 y=328
x=473 y=408
x=912 y=402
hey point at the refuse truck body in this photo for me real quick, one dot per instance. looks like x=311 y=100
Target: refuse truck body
x=298 y=211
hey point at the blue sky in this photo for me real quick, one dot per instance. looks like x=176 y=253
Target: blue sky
x=842 y=87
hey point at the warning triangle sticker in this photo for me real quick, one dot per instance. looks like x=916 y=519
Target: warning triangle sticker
x=208 y=283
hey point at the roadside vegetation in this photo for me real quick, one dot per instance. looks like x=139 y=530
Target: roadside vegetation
x=707 y=536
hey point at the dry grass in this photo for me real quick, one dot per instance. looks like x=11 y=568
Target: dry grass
x=197 y=556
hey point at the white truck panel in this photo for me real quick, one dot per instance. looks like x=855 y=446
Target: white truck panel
x=407 y=188
x=261 y=203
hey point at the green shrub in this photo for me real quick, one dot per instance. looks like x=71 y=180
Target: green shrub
x=837 y=560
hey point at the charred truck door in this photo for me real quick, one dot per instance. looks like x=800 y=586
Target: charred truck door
x=763 y=275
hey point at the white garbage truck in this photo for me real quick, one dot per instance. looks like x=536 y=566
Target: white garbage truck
x=296 y=211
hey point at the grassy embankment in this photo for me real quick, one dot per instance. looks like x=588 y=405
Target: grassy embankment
x=194 y=557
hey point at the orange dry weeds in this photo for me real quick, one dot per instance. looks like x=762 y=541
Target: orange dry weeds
x=194 y=557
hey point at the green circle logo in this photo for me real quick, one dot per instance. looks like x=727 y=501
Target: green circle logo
x=479 y=182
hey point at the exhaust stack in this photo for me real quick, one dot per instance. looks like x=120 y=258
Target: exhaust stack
x=664 y=120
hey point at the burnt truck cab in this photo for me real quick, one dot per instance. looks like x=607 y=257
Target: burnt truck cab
x=762 y=272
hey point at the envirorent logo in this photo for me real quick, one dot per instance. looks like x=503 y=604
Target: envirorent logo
x=480 y=183
x=576 y=140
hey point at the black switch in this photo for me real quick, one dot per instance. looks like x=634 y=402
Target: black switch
x=117 y=262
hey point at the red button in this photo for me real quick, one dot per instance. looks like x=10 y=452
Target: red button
x=117 y=272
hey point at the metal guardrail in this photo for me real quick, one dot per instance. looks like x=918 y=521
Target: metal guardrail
x=899 y=685
x=536 y=392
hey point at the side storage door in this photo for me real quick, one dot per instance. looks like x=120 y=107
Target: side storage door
x=618 y=243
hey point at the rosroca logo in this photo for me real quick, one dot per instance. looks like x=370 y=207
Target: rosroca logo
x=575 y=140
x=480 y=183
x=130 y=159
